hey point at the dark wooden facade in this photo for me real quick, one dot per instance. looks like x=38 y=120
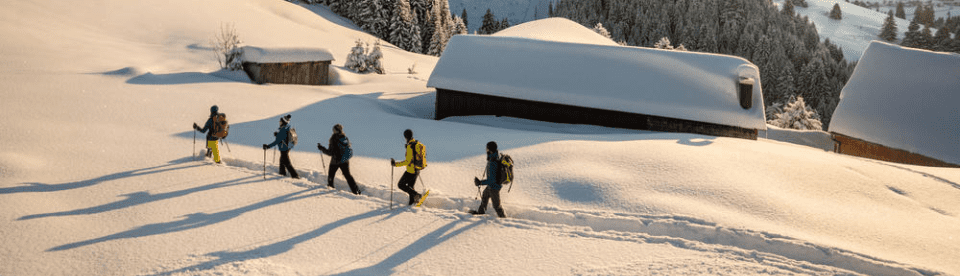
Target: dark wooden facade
x=852 y=146
x=306 y=73
x=457 y=103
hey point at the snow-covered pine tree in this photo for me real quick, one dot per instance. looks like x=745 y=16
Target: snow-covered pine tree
x=489 y=25
x=357 y=59
x=459 y=27
x=370 y=18
x=664 y=43
x=601 y=30
x=912 y=36
x=795 y=115
x=835 y=13
x=900 y=12
x=889 y=30
x=374 y=59
x=463 y=17
x=415 y=45
x=436 y=44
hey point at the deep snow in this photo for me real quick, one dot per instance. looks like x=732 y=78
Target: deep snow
x=97 y=175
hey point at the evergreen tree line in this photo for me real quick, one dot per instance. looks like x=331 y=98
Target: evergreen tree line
x=490 y=24
x=419 y=26
x=924 y=38
x=786 y=47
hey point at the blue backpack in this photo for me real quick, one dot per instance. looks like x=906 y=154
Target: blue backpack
x=346 y=152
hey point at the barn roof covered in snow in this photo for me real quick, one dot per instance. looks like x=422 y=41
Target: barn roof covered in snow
x=284 y=55
x=903 y=98
x=559 y=61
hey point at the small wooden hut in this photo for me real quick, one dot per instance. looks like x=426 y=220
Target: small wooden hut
x=287 y=65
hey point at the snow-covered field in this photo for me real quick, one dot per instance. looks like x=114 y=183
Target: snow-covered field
x=97 y=175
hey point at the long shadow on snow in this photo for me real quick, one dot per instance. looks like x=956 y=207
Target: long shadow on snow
x=375 y=128
x=191 y=221
x=34 y=187
x=425 y=243
x=140 y=198
x=223 y=257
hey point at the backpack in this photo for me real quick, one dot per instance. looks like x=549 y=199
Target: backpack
x=291 y=137
x=220 y=127
x=505 y=170
x=419 y=155
x=346 y=152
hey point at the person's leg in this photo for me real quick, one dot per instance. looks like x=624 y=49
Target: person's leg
x=214 y=150
x=495 y=197
x=406 y=184
x=483 y=201
x=345 y=167
x=331 y=174
x=283 y=163
x=293 y=172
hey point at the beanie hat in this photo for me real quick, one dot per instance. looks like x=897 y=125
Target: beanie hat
x=338 y=128
x=214 y=109
x=285 y=119
x=492 y=146
x=408 y=134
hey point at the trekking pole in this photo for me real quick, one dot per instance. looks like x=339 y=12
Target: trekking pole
x=422 y=183
x=194 y=153
x=391 y=187
x=275 y=156
x=228 y=145
x=264 y=164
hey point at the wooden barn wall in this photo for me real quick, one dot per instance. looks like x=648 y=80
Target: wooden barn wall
x=307 y=73
x=857 y=147
x=457 y=103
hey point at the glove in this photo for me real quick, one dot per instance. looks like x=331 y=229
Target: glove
x=265 y=146
x=320 y=147
x=476 y=181
x=196 y=127
x=393 y=162
x=275 y=133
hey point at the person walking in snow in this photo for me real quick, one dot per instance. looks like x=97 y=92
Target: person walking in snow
x=414 y=151
x=340 y=153
x=492 y=192
x=284 y=141
x=208 y=127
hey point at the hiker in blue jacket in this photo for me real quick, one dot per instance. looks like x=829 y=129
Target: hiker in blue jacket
x=340 y=153
x=284 y=146
x=492 y=192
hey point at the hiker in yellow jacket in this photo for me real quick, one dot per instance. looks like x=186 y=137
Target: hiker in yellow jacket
x=414 y=162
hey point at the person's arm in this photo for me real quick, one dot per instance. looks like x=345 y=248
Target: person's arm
x=281 y=135
x=409 y=158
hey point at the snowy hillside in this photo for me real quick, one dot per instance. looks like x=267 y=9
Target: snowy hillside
x=854 y=32
x=98 y=174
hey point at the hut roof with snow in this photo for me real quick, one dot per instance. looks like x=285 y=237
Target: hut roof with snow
x=901 y=101
x=309 y=66
x=552 y=68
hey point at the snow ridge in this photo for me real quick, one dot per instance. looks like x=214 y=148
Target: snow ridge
x=680 y=231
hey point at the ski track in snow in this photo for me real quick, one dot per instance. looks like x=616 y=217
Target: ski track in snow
x=789 y=254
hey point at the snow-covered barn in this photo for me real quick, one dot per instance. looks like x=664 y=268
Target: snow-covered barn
x=309 y=66
x=901 y=105
x=559 y=71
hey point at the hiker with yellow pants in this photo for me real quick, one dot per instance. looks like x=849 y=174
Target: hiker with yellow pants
x=216 y=128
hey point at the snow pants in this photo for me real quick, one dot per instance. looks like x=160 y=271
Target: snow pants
x=214 y=149
x=345 y=167
x=407 y=181
x=285 y=165
x=490 y=195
